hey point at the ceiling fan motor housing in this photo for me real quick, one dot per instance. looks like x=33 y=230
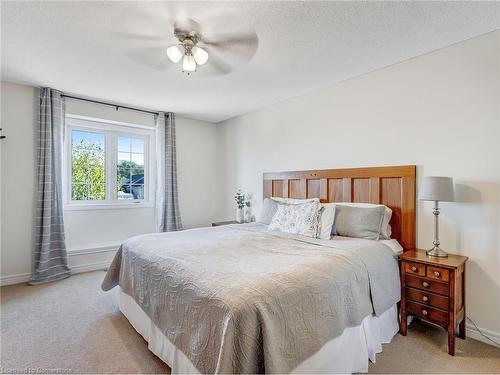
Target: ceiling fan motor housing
x=188 y=44
x=188 y=29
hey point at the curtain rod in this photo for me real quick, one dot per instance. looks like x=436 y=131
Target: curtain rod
x=111 y=104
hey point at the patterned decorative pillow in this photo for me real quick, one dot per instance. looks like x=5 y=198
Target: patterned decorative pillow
x=300 y=219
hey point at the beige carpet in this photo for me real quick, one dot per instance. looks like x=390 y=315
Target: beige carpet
x=72 y=326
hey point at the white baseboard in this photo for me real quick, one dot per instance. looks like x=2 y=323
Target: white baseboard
x=473 y=333
x=80 y=268
x=90 y=267
x=14 y=279
x=100 y=248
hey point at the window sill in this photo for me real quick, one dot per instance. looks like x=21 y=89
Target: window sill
x=106 y=206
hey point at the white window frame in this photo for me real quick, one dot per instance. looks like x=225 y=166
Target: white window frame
x=112 y=130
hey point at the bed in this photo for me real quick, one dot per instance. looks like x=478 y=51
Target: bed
x=243 y=299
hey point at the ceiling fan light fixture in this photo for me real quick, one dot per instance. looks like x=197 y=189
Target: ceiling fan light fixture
x=200 y=55
x=175 y=53
x=188 y=64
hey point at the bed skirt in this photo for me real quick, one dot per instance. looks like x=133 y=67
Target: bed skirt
x=346 y=353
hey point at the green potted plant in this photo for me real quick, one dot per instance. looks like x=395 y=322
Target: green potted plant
x=239 y=197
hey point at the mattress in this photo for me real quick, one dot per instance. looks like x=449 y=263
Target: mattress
x=347 y=353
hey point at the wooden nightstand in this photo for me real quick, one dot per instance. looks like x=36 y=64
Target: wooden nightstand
x=433 y=289
x=219 y=223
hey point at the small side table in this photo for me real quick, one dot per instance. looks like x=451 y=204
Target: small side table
x=433 y=289
x=220 y=223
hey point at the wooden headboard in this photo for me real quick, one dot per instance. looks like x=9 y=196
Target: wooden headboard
x=391 y=186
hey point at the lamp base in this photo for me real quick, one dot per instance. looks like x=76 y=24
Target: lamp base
x=436 y=251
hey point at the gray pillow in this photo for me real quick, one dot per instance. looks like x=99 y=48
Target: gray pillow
x=359 y=222
x=269 y=208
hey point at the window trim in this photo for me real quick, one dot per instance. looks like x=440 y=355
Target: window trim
x=111 y=129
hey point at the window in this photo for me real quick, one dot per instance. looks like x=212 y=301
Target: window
x=88 y=167
x=130 y=168
x=107 y=163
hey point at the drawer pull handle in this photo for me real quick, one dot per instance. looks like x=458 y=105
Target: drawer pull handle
x=425 y=284
x=414 y=269
x=425 y=298
x=424 y=312
x=437 y=274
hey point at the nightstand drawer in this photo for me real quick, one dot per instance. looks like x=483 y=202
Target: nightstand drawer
x=427 y=298
x=438 y=273
x=428 y=284
x=428 y=313
x=414 y=268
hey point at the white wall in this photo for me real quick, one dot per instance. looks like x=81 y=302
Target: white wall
x=439 y=111
x=18 y=178
x=98 y=231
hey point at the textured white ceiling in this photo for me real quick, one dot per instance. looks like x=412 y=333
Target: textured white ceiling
x=77 y=47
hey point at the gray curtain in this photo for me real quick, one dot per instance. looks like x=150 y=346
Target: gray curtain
x=51 y=262
x=167 y=201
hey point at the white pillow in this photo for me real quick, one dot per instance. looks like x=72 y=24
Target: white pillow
x=296 y=218
x=386 y=228
x=267 y=211
x=327 y=217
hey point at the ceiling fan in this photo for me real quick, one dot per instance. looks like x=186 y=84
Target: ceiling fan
x=219 y=51
x=188 y=49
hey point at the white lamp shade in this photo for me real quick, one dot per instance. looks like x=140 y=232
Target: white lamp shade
x=435 y=188
x=175 y=53
x=188 y=64
x=200 y=55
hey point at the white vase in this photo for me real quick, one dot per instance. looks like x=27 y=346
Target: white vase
x=239 y=215
x=248 y=215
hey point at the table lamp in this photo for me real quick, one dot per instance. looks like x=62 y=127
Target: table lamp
x=437 y=189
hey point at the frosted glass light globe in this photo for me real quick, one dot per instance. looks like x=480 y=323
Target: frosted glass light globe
x=175 y=53
x=189 y=64
x=200 y=55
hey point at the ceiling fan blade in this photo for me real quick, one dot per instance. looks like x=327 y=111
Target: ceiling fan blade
x=237 y=49
x=140 y=37
x=141 y=20
x=153 y=57
x=236 y=54
x=221 y=68
x=217 y=65
x=246 y=38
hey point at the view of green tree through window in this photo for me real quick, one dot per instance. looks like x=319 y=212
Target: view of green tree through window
x=88 y=172
x=130 y=168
